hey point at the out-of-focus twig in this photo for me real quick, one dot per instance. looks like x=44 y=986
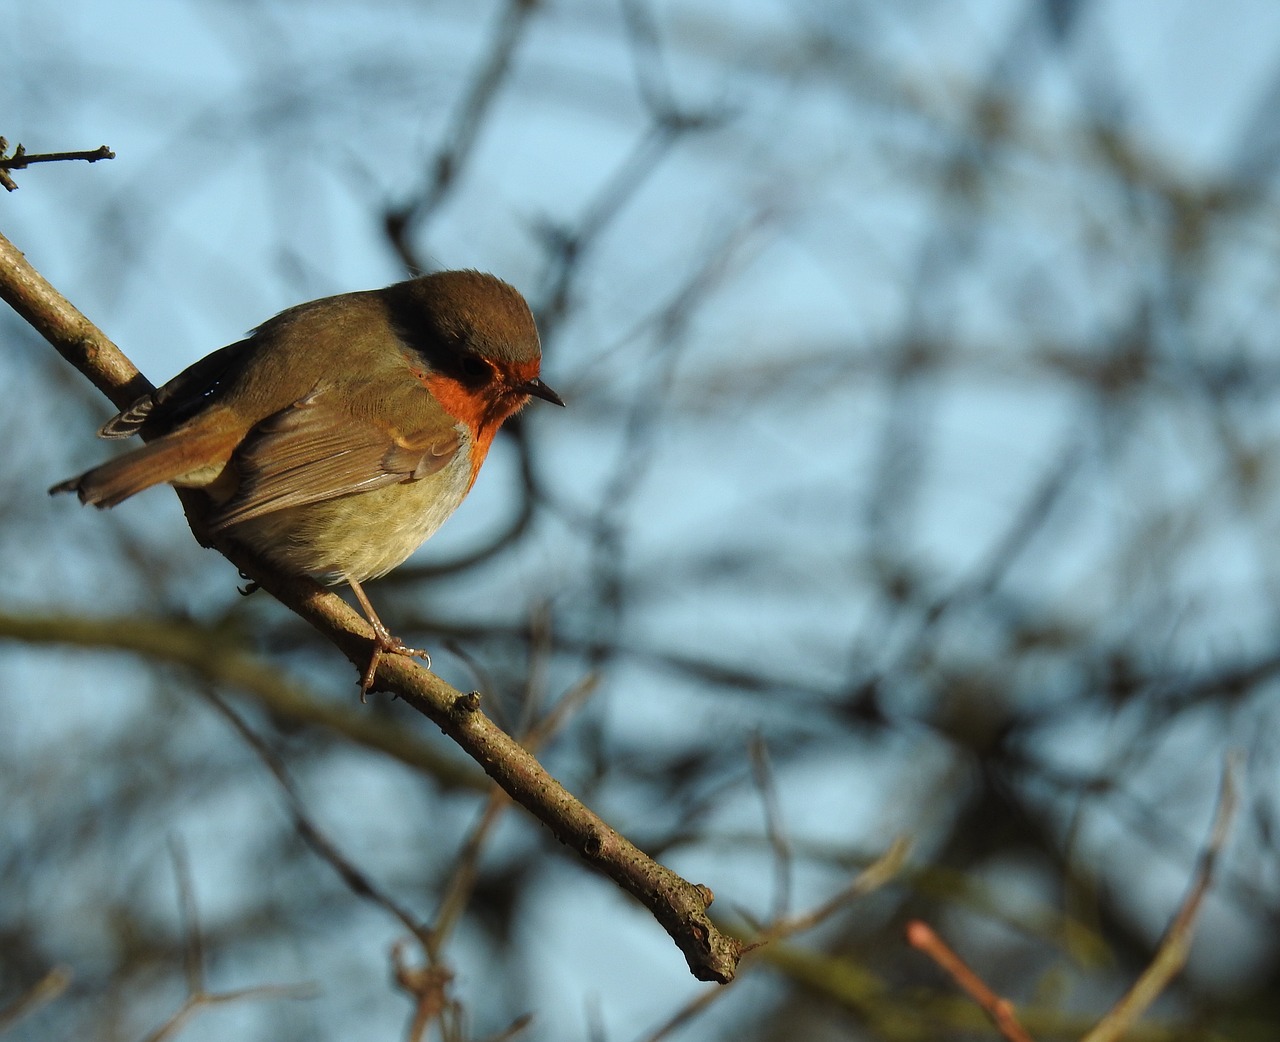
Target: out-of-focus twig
x=225 y=662
x=201 y=1000
x=775 y=826
x=1170 y=957
x=921 y=936
x=875 y=875
x=451 y=159
x=357 y=881
x=1172 y=953
x=429 y=984
x=42 y=992
x=198 y=995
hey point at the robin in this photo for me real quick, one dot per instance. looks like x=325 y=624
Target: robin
x=339 y=435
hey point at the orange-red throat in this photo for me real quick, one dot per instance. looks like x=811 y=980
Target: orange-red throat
x=484 y=408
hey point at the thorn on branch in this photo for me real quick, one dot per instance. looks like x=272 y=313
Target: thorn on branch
x=20 y=160
x=466 y=704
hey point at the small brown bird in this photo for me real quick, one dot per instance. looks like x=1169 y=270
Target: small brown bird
x=343 y=432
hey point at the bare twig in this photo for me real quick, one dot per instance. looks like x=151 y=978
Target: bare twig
x=429 y=984
x=200 y=1000
x=193 y=953
x=1172 y=954
x=311 y=834
x=692 y=1009
x=193 y=961
x=462 y=883
x=45 y=990
x=20 y=160
x=512 y=1030
x=920 y=935
x=460 y=138
x=429 y=987
x=871 y=878
x=775 y=827
x=1169 y=958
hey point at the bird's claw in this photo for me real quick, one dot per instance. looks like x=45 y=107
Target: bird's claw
x=385 y=643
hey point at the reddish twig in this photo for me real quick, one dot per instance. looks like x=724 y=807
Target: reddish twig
x=1169 y=959
x=921 y=936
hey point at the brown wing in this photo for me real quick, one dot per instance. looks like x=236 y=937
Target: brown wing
x=192 y=391
x=315 y=450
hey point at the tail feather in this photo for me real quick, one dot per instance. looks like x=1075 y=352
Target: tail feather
x=166 y=459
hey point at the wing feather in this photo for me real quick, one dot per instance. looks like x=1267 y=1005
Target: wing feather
x=316 y=450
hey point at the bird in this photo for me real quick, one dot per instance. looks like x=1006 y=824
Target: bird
x=341 y=434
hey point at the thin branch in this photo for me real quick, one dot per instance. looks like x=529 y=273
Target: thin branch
x=1169 y=959
x=193 y=950
x=200 y=1000
x=429 y=986
x=460 y=138
x=45 y=990
x=355 y=879
x=921 y=936
x=883 y=869
x=193 y=961
x=678 y=905
x=691 y=1010
x=775 y=826
x=871 y=878
x=512 y=1030
x=1174 y=949
x=20 y=160
x=460 y=886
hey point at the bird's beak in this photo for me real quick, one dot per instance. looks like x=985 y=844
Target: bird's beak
x=538 y=389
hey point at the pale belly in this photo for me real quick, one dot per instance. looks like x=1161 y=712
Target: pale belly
x=360 y=536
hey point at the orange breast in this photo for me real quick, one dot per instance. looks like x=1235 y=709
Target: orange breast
x=474 y=408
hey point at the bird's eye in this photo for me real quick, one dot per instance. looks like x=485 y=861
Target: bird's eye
x=473 y=368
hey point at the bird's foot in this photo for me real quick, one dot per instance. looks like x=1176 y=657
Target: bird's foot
x=385 y=643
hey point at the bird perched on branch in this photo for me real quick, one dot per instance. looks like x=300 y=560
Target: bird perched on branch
x=342 y=433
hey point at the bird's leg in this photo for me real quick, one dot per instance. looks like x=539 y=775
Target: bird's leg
x=383 y=641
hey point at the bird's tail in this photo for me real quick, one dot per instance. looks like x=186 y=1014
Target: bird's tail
x=186 y=453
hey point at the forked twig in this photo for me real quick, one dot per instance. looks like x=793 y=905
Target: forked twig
x=1169 y=959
